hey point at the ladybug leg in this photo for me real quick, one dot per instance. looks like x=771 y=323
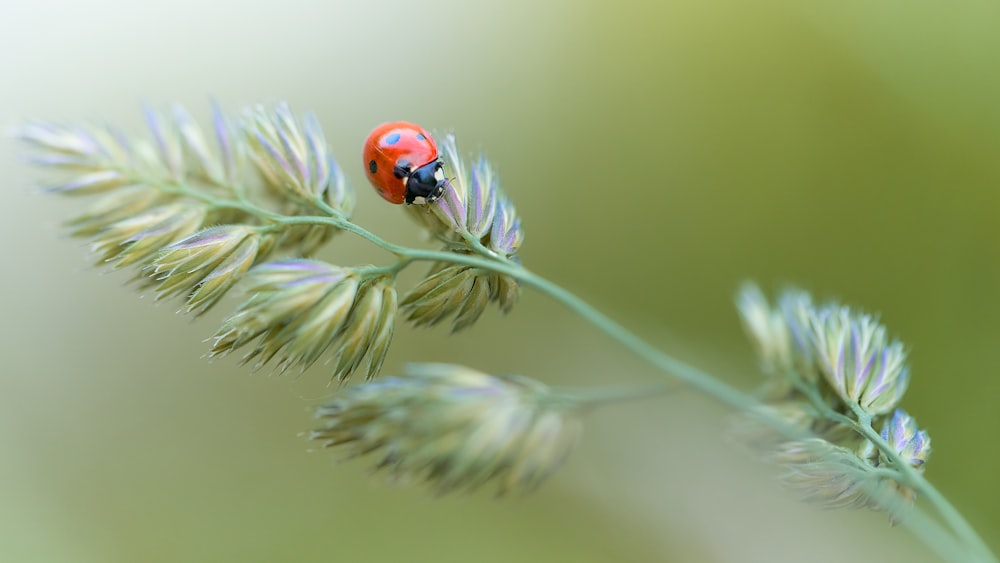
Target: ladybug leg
x=403 y=169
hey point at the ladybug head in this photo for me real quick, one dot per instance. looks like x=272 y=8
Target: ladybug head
x=425 y=184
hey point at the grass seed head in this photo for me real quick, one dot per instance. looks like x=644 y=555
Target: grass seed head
x=454 y=428
x=293 y=157
x=302 y=310
x=136 y=239
x=473 y=207
x=205 y=265
x=857 y=359
x=458 y=292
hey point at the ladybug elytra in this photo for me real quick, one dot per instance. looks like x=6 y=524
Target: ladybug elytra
x=401 y=161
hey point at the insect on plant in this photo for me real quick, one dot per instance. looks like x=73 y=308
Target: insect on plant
x=245 y=206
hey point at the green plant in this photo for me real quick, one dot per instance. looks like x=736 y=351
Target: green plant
x=195 y=221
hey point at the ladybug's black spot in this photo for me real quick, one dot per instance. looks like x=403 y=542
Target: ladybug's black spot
x=391 y=139
x=372 y=167
x=420 y=137
x=402 y=168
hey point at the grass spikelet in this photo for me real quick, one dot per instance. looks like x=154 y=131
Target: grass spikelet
x=826 y=363
x=292 y=156
x=457 y=291
x=204 y=266
x=454 y=428
x=473 y=215
x=136 y=239
x=301 y=310
x=112 y=208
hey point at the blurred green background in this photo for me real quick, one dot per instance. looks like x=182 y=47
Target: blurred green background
x=659 y=152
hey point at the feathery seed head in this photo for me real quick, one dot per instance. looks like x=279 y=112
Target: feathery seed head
x=105 y=159
x=454 y=428
x=847 y=359
x=848 y=351
x=472 y=214
x=796 y=307
x=300 y=310
x=830 y=475
x=381 y=336
x=836 y=477
x=482 y=194
x=167 y=154
x=293 y=157
x=112 y=208
x=205 y=265
x=901 y=433
x=231 y=146
x=505 y=235
x=368 y=330
x=137 y=238
x=505 y=291
x=180 y=150
x=912 y=445
x=473 y=206
x=200 y=160
x=91 y=183
x=778 y=333
x=95 y=156
x=767 y=329
x=286 y=296
x=462 y=291
x=857 y=359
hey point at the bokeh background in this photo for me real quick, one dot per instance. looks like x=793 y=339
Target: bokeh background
x=660 y=153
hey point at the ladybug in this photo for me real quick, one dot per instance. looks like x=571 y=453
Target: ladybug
x=403 y=164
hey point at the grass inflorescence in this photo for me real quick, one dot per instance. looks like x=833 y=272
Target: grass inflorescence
x=243 y=206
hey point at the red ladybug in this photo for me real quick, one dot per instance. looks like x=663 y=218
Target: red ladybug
x=403 y=164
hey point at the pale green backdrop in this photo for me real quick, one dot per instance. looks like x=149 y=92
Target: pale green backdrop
x=659 y=152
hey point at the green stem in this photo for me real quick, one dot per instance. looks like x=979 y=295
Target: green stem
x=934 y=536
x=677 y=368
x=606 y=395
